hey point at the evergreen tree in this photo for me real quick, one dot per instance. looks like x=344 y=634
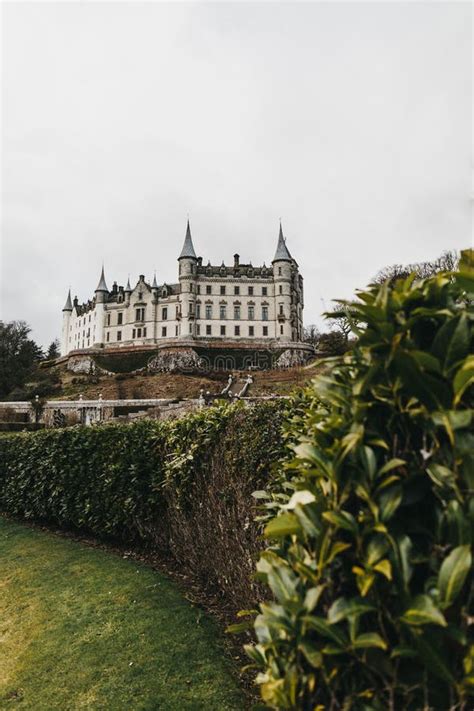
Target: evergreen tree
x=53 y=351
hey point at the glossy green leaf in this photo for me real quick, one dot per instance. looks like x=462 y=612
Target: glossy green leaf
x=341 y=519
x=286 y=524
x=423 y=611
x=453 y=573
x=311 y=653
x=344 y=608
x=369 y=639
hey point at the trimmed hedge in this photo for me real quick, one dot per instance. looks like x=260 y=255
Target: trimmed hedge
x=181 y=487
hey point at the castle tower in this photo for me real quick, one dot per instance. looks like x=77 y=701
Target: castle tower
x=187 y=279
x=101 y=294
x=67 y=311
x=282 y=274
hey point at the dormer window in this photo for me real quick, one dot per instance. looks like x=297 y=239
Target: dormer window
x=140 y=295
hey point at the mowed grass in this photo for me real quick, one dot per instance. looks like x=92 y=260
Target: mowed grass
x=81 y=628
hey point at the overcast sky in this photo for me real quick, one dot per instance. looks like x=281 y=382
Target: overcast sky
x=352 y=122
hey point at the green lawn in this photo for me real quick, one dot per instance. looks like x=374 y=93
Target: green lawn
x=85 y=629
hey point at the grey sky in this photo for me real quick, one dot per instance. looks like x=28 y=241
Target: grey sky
x=350 y=121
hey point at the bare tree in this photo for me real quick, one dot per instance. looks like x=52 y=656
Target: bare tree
x=447 y=262
x=311 y=334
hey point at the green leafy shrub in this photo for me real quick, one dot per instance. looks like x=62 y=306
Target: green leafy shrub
x=371 y=556
x=181 y=487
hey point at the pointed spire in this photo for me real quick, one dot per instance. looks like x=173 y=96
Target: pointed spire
x=68 y=304
x=282 y=253
x=154 y=285
x=102 y=286
x=188 y=248
x=128 y=287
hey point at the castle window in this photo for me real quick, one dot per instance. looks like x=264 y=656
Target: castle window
x=281 y=330
x=281 y=289
x=191 y=328
x=198 y=329
x=281 y=309
x=236 y=290
x=208 y=288
x=208 y=330
x=107 y=338
x=144 y=333
x=237 y=312
x=176 y=330
x=198 y=310
x=264 y=291
x=222 y=330
x=139 y=332
x=237 y=330
x=108 y=320
x=222 y=290
x=250 y=290
x=119 y=318
x=208 y=311
x=251 y=331
x=119 y=335
x=134 y=332
x=251 y=313
x=264 y=313
x=198 y=288
x=164 y=314
x=163 y=331
x=140 y=314
x=191 y=287
x=265 y=330
x=279 y=271
x=140 y=295
x=222 y=312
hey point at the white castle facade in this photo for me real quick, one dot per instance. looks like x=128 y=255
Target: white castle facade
x=225 y=305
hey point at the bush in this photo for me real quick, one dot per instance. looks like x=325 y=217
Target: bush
x=370 y=563
x=180 y=487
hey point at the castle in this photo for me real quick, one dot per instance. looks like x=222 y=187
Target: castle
x=229 y=307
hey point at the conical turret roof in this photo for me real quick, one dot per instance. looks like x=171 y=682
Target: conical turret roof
x=102 y=286
x=188 y=247
x=282 y=252
x=68 y=304
x=154 y=285
x=128 y=287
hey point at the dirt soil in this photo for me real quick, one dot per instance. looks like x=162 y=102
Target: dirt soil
x=177 y=385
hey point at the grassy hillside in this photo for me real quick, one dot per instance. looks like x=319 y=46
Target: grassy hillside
x=176 y=385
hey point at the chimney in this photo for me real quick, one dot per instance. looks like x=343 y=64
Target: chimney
x=236 y=260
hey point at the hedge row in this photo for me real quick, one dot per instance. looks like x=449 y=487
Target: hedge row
x=180 y=487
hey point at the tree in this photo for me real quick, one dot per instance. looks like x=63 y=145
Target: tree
x=447 y=262
x=311 y=334
x=19 y=355
x=53 y=350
